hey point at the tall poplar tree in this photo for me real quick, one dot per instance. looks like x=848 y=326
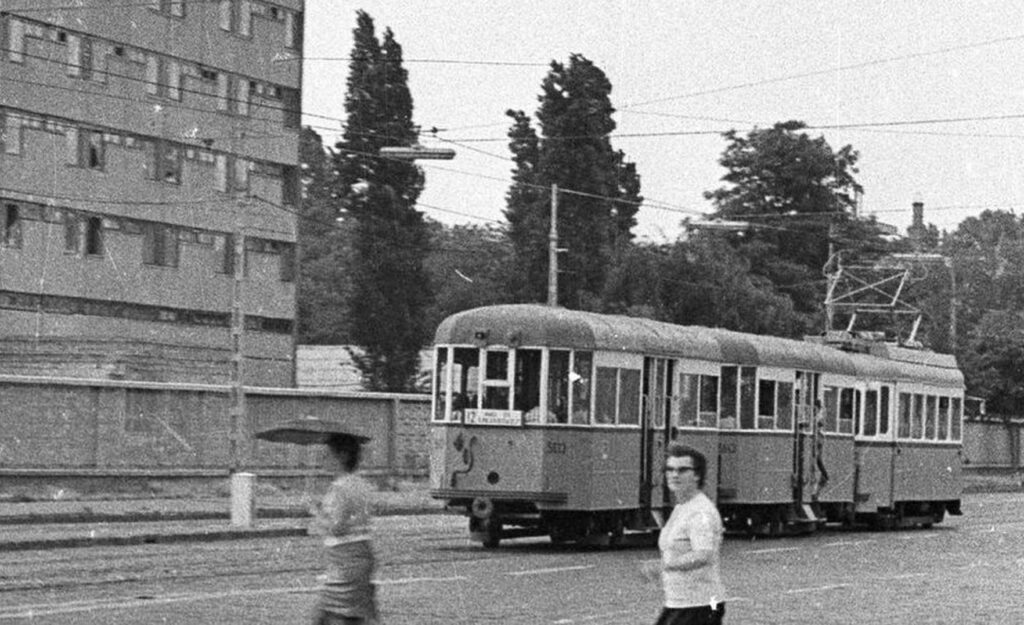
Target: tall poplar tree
x=323 y=244
x=390 y=287
x=599 y=191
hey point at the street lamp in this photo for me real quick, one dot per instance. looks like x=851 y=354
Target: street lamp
x=417 y=153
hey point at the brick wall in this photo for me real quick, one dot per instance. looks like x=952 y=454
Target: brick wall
x=121 y=426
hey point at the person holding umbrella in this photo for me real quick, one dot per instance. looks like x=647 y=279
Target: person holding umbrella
x=342 y=519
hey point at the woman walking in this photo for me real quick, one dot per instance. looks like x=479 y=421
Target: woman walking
x=342 y=518
x=689 y=544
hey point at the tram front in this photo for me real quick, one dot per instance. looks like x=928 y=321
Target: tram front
x=497 y=384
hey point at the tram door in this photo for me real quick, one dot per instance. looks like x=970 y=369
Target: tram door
x=657 y=405
x=805 y=400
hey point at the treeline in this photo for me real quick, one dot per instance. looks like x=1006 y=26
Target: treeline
x=377 y=274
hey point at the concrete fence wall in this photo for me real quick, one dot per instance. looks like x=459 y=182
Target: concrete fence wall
x=68 y=426
x=993 y=444
x=118 y=427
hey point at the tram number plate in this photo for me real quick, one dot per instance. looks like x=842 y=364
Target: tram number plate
x=554 y=447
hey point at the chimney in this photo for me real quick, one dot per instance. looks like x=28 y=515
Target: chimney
x=916 y=231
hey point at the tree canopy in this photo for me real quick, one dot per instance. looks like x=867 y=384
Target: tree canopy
x=390 y=241
x=791 y=187
x=599 y=191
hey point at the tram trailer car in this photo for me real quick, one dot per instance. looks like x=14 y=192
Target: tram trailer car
x=549 y=421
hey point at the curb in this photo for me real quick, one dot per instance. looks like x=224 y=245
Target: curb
x=40 y=518
x=66 y=542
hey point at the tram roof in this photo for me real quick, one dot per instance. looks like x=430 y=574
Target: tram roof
x=547 y=326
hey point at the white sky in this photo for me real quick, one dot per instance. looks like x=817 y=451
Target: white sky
x=875 y=64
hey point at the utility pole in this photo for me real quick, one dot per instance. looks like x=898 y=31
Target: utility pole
x=553 y=249
x=237 y=411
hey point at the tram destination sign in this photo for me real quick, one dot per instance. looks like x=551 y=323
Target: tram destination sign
x=494 y=417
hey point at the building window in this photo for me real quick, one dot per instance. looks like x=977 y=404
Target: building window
x=163 y=77
x=12 y=226
x=94 y=236
x=72 y=236
x=224 y=247
x=164 y=161
x=90 y=150
x=287 y=262
x=10 y=132
x=159 y=245
x=15 y=39
x=293 y=30
x=173 y=8
x=228 y=14
x=289 y=186
x=292 y=107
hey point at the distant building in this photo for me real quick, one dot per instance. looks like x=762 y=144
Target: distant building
x=139 y=142
x=331 y=368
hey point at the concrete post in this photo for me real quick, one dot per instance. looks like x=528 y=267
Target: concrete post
x=243 y=499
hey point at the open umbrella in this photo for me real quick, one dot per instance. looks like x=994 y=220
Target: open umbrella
x=307 y=431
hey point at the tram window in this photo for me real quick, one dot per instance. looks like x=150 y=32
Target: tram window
x=497 y=366
x=629 y=396
x=766 y=404
x=707 y=416
x=558 y=386
x=943 y=418
x=496 y=398
x=527 y=383
x=929 y=417
x=871 y=413
x=496 y=386
x=917 y=416
x=582 y=364
x=883 y=412
x=728 y=395
x=955 y=415
x=831 y=408
x=846 y=410
x=441 y=378
x=905 y=410
x=465 y=379
x=784 y=414
x=657 y=390
x=688 y=396
x=748 y=377
x=607 y=395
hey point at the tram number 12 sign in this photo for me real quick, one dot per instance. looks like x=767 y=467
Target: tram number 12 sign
x=494 y=417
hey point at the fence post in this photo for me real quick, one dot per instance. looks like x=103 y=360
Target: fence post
x=393 y=443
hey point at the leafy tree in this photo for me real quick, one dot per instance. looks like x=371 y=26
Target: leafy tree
x=599 y=191
x=323 y=285
x=794 y=186
x=993 y=361
x=468 y=267
x=390 y=288
x=704 y=281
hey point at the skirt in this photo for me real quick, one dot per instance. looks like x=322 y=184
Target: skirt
x=349 y=591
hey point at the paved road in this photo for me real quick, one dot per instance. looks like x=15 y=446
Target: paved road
x=969 y=570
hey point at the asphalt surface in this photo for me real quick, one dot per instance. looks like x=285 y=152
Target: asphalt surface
x=53 y=524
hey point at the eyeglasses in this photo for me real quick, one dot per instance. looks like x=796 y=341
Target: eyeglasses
x=679 y=470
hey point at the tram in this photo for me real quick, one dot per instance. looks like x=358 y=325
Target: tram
x=553 y=422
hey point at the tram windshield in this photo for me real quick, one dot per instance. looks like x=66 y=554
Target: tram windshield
x=500 y=386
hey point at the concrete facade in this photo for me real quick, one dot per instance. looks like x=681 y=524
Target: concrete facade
x=139 y=143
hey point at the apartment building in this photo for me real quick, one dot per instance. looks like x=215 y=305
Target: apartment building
x=148 y=188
